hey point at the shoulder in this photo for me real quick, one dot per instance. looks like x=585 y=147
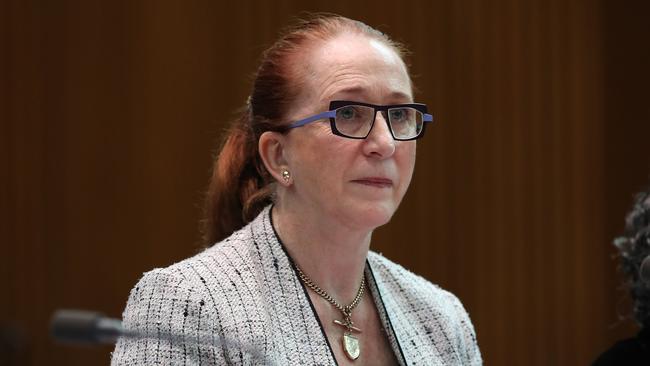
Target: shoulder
x=416 y=303
x=409 y=284
x=187 y=299
x=229 y=268
x=211 y=272
x=188 y=283
x=630 y=351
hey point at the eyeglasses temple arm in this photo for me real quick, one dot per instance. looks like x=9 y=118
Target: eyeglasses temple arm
x=302 y=122
x=428 y=117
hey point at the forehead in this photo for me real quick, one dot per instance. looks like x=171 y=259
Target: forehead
x=353 y=65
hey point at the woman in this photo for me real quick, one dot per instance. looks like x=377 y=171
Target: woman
x=322 y=156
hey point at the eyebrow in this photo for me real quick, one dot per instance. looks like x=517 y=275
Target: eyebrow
x=358 y=89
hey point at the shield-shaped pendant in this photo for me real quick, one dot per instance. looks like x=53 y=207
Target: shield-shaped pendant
x=351 y=346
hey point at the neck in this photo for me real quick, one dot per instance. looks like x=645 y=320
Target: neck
x=331 y=255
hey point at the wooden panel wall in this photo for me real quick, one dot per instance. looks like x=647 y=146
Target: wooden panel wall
x=110 y=112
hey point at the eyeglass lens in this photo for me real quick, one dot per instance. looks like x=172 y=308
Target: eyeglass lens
x=356 y=121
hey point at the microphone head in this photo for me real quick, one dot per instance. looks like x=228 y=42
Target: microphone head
x=75 y=326
x=644 y=270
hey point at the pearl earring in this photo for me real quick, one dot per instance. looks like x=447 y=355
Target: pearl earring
x=286 y=175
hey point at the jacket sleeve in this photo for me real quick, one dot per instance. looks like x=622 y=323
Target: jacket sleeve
x=165 y=313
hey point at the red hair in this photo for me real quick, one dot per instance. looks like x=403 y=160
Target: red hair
x=240 y=186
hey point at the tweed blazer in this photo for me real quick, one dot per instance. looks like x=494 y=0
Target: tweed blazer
x=240 y=302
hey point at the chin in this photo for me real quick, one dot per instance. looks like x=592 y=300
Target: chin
x=372 y=215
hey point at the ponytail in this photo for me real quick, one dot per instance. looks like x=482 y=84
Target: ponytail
x=239 y=187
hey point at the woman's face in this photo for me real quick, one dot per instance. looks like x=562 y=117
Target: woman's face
x=358 y=183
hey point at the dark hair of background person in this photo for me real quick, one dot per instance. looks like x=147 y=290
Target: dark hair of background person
x=240 y=186
x=633 y=248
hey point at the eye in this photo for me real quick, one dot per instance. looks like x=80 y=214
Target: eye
x=398 y=114
x=346 y=112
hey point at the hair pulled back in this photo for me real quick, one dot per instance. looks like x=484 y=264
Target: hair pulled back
x=633 y=248
x=240 y=186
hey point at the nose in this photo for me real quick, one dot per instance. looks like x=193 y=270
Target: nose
x=380 y=142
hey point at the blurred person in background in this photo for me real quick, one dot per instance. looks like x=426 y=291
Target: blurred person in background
x=634 y=249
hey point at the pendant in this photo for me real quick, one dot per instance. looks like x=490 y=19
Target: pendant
x=351 y=346
x=350 y=342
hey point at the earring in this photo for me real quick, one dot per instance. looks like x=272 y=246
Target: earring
x=286 y=176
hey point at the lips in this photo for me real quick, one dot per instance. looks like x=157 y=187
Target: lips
x=378 y=182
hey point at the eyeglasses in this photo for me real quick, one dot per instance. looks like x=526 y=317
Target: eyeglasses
x=355 y=119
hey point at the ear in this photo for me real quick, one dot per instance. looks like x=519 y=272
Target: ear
x=271 y=147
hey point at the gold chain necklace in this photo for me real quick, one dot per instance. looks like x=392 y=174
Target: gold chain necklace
x=349 y=341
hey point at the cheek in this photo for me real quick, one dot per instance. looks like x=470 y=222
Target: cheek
x=321 y=157
x=333 y=158
x=406 y=161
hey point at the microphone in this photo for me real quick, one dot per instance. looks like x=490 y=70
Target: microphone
x=89 y=327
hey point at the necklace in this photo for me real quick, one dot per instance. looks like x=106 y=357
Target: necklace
x=349 y=341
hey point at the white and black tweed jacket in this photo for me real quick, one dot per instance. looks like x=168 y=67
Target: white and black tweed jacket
x=241 y=302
